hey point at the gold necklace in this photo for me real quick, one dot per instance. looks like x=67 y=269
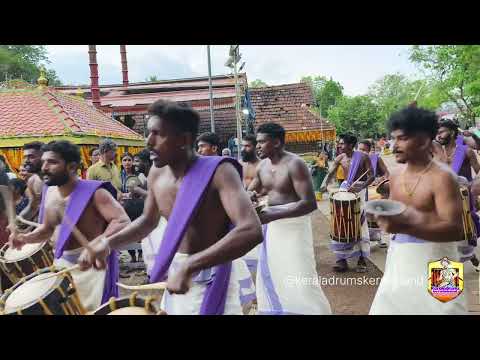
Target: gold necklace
x=411 y=192
x=449 y=157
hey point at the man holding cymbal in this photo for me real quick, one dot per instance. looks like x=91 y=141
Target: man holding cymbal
x=428 y=229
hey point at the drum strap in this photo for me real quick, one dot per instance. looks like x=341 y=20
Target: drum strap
x=189 y=197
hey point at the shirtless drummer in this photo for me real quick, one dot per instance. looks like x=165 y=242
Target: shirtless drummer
x=196 y=252
x=249 y=163
x=32 y=153
x=461 y=159
x=286 y=254
x=359 y=172
x=91 y=206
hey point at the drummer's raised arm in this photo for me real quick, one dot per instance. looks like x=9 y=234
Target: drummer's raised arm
x=331 y=172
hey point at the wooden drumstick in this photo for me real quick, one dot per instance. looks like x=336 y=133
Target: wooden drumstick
x=356 y=181
x=71 y=268
x=77 y=233
x=26 y=222
x=154 y=286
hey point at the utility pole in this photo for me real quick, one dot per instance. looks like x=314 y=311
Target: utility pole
x=210 y=92
x=237 y=110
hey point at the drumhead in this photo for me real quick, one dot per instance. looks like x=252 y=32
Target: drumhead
x=131 y=310
x=29 y=292
x=12 y=254
x=344 y=196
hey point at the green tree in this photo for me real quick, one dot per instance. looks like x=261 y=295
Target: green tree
x=326 y=92
x=152 y=78
x=395 y=91
x=257 y=83
x=358 y=114
x=454 y=70
x=23 y=62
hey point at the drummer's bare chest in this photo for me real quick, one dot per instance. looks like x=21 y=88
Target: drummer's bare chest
x=275 y=178
x=166 y=191
x=421 y=198
x=442 y=156
x=249 y=171
x=90 y=223
x=345 y=163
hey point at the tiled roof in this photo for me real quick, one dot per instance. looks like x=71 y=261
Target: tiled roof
x=46 y=112
x=198 y=82
x=191 y=90
x=287 y=105
x=120 y=98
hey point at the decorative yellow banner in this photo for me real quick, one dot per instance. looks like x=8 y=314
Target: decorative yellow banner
x=310 y=136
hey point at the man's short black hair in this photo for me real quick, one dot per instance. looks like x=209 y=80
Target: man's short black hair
x=182 y=117
x=367 y=143
x=68 y=151
x=349 y=139
x=251 y=138
x=275 y=131
x=107 y=145
x=413 y=120
x=449 y=124
x=210 y=138
x=18 y=184
x=35 y=145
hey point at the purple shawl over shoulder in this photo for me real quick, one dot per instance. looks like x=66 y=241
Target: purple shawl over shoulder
x=79 y=199
x=189 y=197
x=459 y=140
x=352 y=172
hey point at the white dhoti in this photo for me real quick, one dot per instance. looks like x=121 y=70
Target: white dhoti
x=344 y=251
x=466 y=251
x=191 y=302
x=245 y=281
x=251 y=258
x=151 y=244
x=287 y=280
x=89 y=284
x=404 y=286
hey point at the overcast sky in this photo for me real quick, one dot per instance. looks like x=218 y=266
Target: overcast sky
x=356 y=67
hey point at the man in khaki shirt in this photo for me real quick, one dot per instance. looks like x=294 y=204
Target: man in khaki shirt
x=105 y=169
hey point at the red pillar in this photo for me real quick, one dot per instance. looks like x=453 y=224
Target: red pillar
x=123 y=55
x=95 y=89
